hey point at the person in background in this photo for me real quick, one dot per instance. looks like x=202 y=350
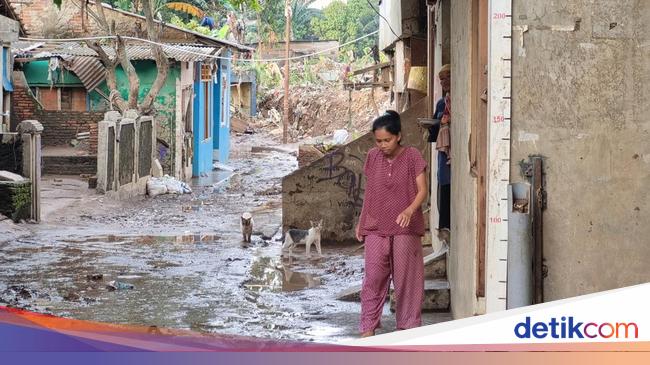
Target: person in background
x=439 y=133
x=392 y=225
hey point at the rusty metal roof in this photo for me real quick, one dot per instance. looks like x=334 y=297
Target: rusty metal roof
x=178 y=52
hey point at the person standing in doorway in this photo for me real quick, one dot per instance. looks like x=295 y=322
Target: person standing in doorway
x=439 y=133
x=392 y=226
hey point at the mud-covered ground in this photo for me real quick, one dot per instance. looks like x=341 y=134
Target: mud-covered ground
x=184 y=257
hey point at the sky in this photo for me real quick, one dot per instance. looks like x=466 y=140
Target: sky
x=319 y=4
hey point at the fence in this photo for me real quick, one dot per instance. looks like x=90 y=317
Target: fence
x=20 y=153
x=125 y=153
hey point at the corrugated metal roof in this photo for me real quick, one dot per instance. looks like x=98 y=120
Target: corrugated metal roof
x=88 y=69
x=178 y=52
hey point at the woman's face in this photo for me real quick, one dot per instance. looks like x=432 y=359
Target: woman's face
x=445 y=81
x=386 y=141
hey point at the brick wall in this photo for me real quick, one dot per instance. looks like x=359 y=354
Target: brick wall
x=59 y=127
x=43 y=18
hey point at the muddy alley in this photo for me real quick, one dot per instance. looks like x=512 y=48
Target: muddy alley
x=178 y=261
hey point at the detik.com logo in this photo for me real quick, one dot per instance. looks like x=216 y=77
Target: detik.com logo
x=568 y=327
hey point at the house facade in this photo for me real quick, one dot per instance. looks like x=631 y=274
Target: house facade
x=552 y=96
x=188 y=110
x=9 y=31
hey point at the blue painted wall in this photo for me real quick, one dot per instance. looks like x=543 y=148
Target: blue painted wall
x=202 y=158
x=221 y=102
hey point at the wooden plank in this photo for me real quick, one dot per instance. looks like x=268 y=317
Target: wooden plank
x=538 y=229
x=364 y=85
x=378 y=66
x=479 y=142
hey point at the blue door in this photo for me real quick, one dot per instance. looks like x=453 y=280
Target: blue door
x=203 y=121
x=221 y=102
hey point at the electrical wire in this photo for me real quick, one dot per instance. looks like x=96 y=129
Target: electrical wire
x=386 y=20
x=168 y=46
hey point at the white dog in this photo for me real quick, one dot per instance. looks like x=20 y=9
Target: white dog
x=295 y=237
x=246 y=224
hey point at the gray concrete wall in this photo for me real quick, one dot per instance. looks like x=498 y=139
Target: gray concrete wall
x=462 y=256
x=581 y=92
x=332 y=187
x=8 y=30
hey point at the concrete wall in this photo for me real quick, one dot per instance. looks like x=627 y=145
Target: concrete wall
x=332 y=187
x=125 y=164
x=581 y=82
x=462 y=267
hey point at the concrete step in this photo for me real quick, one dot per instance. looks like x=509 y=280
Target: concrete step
x=436 y=296
x=435 y=265
x=435 y=271
x=69 y=165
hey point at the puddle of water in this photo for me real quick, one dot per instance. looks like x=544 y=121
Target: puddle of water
x=214 y=178
x=149 y=239
x=268 y=274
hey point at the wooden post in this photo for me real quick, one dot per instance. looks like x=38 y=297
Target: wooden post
x=431 y=38
x=538 y=229
x=287 y=40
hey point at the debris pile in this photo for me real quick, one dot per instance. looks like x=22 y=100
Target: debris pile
x=166 y=185
x=317 y=110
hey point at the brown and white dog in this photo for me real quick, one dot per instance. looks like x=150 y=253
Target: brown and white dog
x=246 y=225
x=295 y=237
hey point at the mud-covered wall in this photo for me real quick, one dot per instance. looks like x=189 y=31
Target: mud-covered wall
x=581 y=86
x=11 y=153
x=332 y=187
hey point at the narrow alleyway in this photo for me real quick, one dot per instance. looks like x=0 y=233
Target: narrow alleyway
x=185 y=257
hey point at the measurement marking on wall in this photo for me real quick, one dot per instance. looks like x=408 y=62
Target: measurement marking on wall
x=498 y=174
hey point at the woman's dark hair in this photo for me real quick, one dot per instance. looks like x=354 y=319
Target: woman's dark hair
x=389 y=121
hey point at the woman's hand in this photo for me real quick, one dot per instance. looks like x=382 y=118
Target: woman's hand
x=404 y=218
x=357 y=234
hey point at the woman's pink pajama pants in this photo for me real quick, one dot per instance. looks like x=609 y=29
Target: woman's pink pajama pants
x=401 y=258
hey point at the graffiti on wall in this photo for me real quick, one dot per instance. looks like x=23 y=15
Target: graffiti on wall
x=343 y=177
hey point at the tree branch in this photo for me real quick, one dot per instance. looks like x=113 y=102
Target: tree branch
x=109 y=64
x=127 y=66
x=162 y=64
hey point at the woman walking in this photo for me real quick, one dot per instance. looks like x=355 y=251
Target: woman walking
x=392 y=224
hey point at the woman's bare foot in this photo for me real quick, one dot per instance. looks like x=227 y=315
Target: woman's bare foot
x=368 y=334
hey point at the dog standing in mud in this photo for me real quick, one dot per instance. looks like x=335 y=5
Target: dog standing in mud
x=295 y=237
x=246 y=225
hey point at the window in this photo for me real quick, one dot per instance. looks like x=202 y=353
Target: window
x=62 y=98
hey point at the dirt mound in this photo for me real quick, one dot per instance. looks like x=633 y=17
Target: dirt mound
x=319 y=110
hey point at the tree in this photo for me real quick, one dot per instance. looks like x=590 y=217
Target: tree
x=272 y=20
x=346 y=22
x=121 y=58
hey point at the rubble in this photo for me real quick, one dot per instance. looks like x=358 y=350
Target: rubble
x=319 y=110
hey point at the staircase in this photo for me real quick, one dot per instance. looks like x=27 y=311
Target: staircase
x=69 y=165
x=437 y=296
x=436 y=285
